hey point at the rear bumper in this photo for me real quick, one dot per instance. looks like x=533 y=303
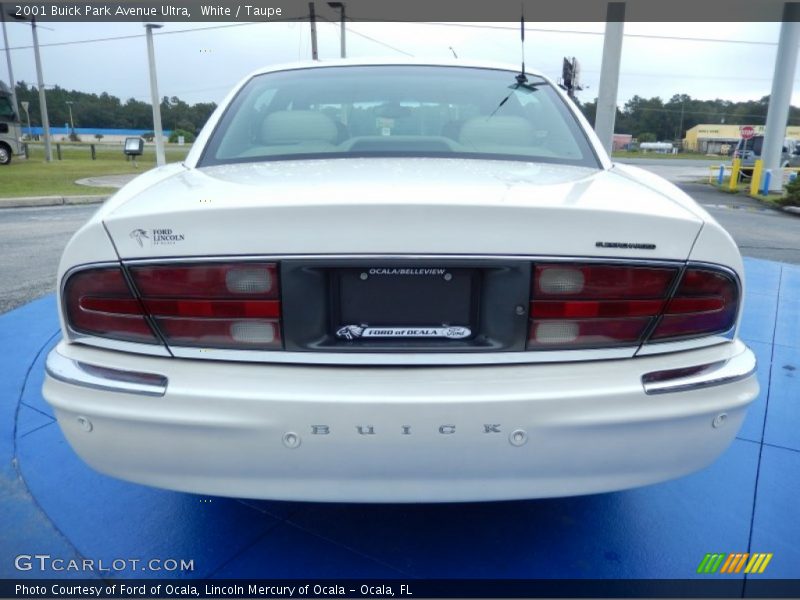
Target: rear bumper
x=394 y=434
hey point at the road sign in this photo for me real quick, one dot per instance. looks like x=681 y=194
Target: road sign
x=747 y=132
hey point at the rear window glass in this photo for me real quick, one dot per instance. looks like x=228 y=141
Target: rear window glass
x=398 y=111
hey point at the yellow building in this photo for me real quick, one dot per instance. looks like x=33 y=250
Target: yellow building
x=721 y=139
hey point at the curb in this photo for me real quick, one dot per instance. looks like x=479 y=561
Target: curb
x=51 y=201
x=792 y=210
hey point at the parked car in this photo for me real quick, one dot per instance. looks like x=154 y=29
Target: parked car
x=399 y=282
x=749 y=150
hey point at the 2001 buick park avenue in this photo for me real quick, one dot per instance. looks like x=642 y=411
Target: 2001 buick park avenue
x=399 y=282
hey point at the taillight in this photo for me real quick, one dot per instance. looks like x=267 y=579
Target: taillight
x=218 y=305
x=706 y=302
x=99 y=302
x=594 y=306
x=215 y=305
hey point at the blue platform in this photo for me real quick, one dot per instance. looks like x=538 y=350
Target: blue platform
x=747 y=501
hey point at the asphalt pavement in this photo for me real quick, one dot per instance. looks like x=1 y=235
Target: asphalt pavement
x=31 y=242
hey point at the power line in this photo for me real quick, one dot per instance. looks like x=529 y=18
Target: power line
x=133 y=36
x=364 y=35
x=600 y=33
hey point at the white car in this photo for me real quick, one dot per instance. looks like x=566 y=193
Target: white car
x=399 y=282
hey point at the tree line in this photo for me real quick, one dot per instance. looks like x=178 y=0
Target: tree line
x=647 y=119
x=109 y=112
x=653 y=119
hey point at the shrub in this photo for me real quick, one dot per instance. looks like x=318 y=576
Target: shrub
x=188 y=136
x=792 y=195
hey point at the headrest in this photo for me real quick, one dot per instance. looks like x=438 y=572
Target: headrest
x=503 y=131
x=297 y=126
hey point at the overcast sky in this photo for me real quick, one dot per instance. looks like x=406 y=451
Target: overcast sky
x=201 y=62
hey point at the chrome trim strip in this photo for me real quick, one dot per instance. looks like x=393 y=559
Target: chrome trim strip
x=74 y=372
x=734 y=369
x=404 y=359
x=516 y=257
x=119 y=345
x=653 y=348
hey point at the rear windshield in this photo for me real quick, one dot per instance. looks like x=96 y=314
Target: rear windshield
x=460 y=112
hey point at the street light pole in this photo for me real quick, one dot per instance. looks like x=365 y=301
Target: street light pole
x=71 y=122
x=157 y=129
x=25 y=106
x=343 y=31
x=8 y=61
x=48 y=150
x=312 y=20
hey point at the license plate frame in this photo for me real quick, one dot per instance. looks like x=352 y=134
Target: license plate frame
x=405 y=303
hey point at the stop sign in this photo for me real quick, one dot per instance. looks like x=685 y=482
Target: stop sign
x=747 y=132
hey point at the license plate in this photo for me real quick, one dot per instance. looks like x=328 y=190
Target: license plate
x=405 y=302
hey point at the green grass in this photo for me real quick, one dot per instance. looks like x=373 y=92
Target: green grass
x=35 y=177
x=679 y=156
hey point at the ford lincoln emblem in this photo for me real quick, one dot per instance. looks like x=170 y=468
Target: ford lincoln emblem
x=351 y=332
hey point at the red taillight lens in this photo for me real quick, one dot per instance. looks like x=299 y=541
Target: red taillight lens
x=210 y=281
x=215 y=305
x=218 y=305
x=594 y=306
x=706 y=302
x=99 y=302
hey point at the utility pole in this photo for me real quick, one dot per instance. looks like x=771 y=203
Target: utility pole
x=71 y=122
x=157 y=129
x=25 y=106
x=680 y=126
x=8 y=61
x=609 y=75
x=342 y=32
x=312 y=19
x=48 y=149
x=779 y=99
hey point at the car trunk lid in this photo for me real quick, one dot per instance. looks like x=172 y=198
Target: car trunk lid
x=412 y=206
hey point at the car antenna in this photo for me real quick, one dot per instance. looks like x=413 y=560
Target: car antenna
x=521 y=78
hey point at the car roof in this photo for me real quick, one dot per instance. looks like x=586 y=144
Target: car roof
x=362 y=62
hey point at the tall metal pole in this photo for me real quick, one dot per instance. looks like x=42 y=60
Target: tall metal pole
x=71 y=122
x=158 y=132
x=342 y=35
x=312 y=19
x=48 y=150
x=8 y=62
x=782 y=80
x=25 y=105
x=609 y=75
